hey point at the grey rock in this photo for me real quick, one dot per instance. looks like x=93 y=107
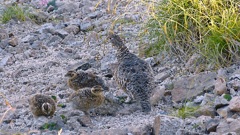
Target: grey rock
x=3 y=34
x=167 y=125
x=151 y=61
x=96 y=14
x=206 y=110
x=47 y=28
x=130 y=130
x=211 y=125
x=220 y=102
x=13 y=41
x=54 y=41
x=187 y=132
x=39 y=17
x=29 y=39
x=50 y=8
x=111 y=106
x=220 y=86
x=4 y=60
x=198 y=99
x=223 y=127
x=157 y=95
x=162 y=76
x=224 y=112
x=234 y=82
x=69 y=40
x=189 y=87
x=228 y=125
x=70 y=7
x=86 y=26
x=233 y=92
x=234 y=104
x=72 y=29
x=230 y=133
x=208 y=99
x=4 y=43
x=61 y=33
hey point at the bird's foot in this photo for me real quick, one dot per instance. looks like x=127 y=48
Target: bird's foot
x=129 y=100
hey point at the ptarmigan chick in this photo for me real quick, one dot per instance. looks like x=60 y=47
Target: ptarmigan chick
x=81 y=79
x=87 y=98
x=42 y=105
x=134 y=75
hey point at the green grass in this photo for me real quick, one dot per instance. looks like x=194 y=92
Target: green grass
x=13 y=12
x=186 y=112
x=49 y=126
x=184 y=27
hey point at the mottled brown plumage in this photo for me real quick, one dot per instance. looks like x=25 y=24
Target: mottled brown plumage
x=81 y=79
x=42 y=105
x=134 y=75
x=87 y=98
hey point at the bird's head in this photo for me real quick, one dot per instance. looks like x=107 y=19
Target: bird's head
x=47 y=108
x=97 y=90
x=71 y=74
x=116 y=41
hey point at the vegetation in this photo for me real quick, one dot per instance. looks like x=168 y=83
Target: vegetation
x=185 y=27
x=186 y=111
x=228 y=97
x=13 y=12
x=50 y=126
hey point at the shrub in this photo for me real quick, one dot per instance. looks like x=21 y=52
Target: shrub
x=13 y=12
x=184 y=27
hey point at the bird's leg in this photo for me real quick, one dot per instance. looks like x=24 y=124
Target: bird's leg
x=130 y=99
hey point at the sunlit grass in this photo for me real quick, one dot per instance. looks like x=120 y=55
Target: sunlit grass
x=13 y=12
x=210 y=28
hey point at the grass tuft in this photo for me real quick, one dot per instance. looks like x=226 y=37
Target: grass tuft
x=184 y=27
x=13 y=12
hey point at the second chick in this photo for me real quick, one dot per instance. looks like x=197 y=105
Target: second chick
x=87 y=98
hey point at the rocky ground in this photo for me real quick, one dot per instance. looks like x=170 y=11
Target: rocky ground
x=36 y=54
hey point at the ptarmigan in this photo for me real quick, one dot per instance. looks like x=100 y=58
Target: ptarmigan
x=134 y=75
x=87 y=98
x=82 y=79
x=42 y=105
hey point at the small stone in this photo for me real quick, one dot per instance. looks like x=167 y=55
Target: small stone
x=234 y=82
x=212 y=124
x=157 y=95
x=232 y=92
x=230 y=133
x=95 y=14
x=162 y=76
x=167 y=125
x=150 y=61
x=220 y=102
x=13 y=41
x=68 y=50
x=4 y=61
x=224 y=112
x=72 y=29
x=234 y=104
x=206 y=110
x=61 y=33
x=220 y=86
x=50 y=8
x=222 y=127
x=3 y=34
x=87 y=26
x=198 y=99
